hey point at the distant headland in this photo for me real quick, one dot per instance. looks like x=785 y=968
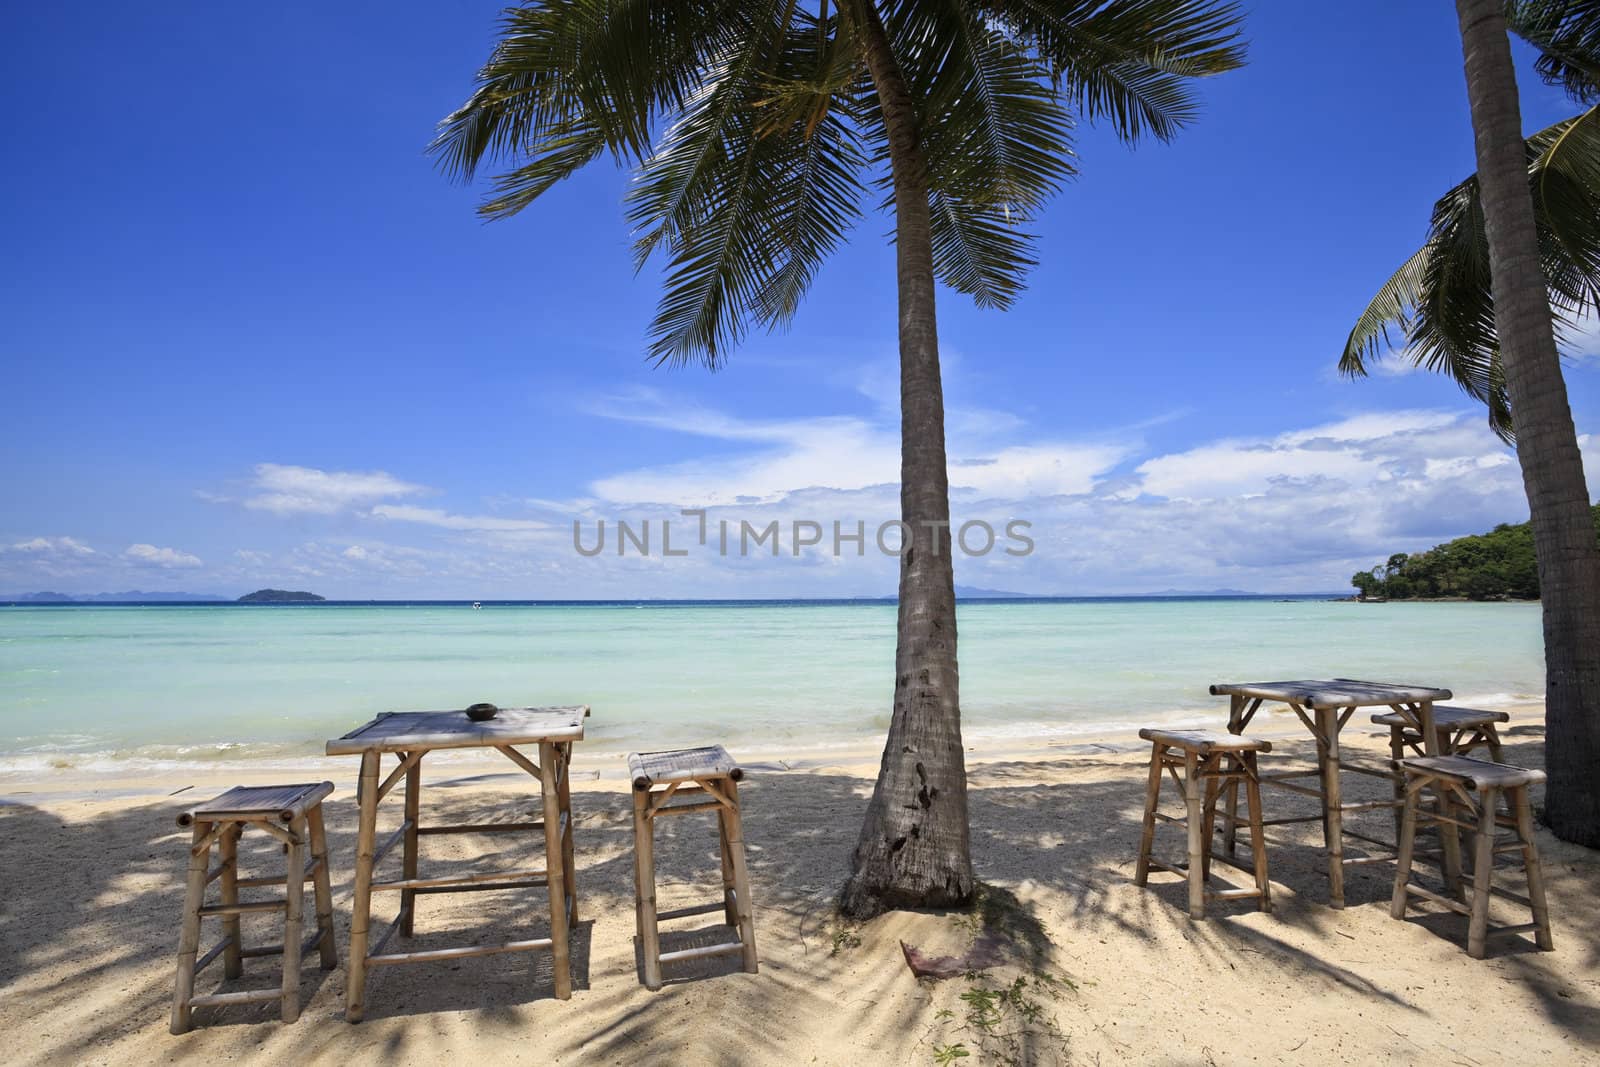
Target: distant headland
x=1498 y=565
x=132 y=596
x=280 y=596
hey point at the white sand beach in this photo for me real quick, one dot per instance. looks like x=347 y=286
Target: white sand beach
x=1113 y=973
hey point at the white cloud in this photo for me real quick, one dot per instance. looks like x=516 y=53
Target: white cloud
x=446 y=521
x=837 y=452
x=844 y=453
x=289 y=490
x=61 y=547
x=151 y=556
x=1359 y=449
x=1296 y=510
x=1036 y=470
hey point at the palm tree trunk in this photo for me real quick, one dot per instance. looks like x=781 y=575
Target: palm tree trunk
x=1547 y=443
x=914 y=849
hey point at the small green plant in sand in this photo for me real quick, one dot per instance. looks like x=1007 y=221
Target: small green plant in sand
x=1009 y=1023
x=844 y=937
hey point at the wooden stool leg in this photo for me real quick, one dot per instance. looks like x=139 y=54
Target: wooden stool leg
x=1482 y=874
x=1492 y=737
x=1230 y=821
x=355 y=993
x=408 y=858
x=232 y=956
x=293 y=912
x=1522 y=808
x=321 y=888
x=1408 y=837
x=638 y=868
x=189 y=939
x=555 y=875
x=741 y=877
x=1397 y=752
x=1449 y=839
x=644 y=867
x=1258 y=844
x=1327 y=720
x=1213 y=773
x=564 y=795
x=1191 y=797
x=730 y=912
x=1152 y=800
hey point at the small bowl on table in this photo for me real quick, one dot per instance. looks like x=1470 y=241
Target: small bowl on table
x=482 y=712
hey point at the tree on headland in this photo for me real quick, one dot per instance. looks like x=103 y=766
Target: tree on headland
x=1498 y=565
x=755 y=128
x=1547 y=441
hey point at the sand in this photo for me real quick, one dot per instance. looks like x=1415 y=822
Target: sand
x=1109 y=973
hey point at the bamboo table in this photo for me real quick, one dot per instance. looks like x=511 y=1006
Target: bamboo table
x=1325 y=706
x=410 y=735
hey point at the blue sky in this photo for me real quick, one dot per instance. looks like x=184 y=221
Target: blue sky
x=251 y=337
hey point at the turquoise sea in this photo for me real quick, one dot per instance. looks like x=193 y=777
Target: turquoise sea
x=87 y=686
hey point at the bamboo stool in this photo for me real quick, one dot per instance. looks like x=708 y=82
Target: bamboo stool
x=657 y=778
x=293 y=815
x=1216 y=760
x=1460 y=731
x=1454 y=779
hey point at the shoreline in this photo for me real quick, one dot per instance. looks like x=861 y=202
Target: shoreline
x=604 y=767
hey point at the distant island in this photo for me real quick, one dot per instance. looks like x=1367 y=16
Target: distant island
x=280 y=596
x=975 y=593
x=132 y=596
x=1498 y=565
x=1206 y=592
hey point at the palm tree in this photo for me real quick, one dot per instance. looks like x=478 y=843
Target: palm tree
x=1445 y=302
x=754 y=129
x=1439 y=302
x=1547 y=442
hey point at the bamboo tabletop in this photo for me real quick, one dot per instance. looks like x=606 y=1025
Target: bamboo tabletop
x=408 y=731
x=1333 y=692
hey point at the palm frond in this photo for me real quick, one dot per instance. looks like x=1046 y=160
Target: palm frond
x=816 y=204
x=979 y=251
x=1389 y=310
x=1567 y=34
x=752 y=127
x=1566 y=192
x=1441 y=299
x=568 y=71
x=566 y=147
x=750 y=192
x=995 y=131
x=1128 y=62
x=715 y=125
x=996 y=137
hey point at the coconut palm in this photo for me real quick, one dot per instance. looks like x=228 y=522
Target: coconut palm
x=1547 y=443
x=1476 y=302
x=1438 y=305
x=755 y=129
